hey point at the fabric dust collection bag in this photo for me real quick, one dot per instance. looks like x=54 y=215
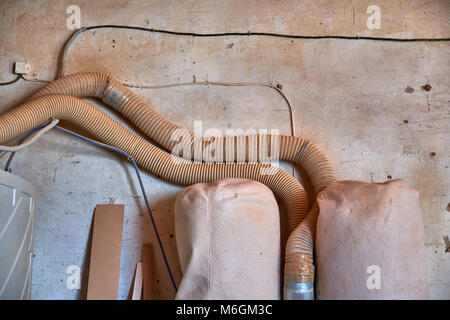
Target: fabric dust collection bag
x=228 y=241
x=369 y=242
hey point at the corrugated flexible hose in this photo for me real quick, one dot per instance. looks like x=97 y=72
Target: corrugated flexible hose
x=299 y=268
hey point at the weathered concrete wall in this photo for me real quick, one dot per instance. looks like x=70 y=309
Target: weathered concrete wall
x=348 y=96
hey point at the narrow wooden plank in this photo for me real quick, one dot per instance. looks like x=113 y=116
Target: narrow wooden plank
x=137 y=286
x=103 y=283
x=147 y=271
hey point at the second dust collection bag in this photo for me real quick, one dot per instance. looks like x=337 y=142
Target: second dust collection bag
x=369 y=242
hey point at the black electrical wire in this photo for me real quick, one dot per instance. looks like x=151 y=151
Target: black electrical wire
x=68 y=43
x=249 y=33
x=12 y=81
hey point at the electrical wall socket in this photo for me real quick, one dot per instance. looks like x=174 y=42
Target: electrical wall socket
x=21 y=68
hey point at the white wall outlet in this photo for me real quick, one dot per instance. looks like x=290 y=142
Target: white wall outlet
x=21 y=68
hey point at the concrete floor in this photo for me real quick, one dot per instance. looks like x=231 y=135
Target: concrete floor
x=348 y=97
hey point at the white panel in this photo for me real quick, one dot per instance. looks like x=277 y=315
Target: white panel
x=16 y=235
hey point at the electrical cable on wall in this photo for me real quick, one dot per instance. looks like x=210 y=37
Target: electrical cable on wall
x=228 y=34
x=20 y=76
x=34 y=80
x=225 y=84
x=11 y=82
x=72 y=38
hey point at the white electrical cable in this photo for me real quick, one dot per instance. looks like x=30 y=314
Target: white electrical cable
x=33 y=138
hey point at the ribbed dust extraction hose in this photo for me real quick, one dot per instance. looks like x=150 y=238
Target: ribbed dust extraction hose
x=299 y=267
x=161 y=130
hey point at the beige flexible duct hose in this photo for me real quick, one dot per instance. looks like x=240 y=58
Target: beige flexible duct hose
x=299 y=266
x=160 y=130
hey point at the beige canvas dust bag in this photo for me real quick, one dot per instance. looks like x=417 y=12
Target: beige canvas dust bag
x=369 y=242
x=228 y=241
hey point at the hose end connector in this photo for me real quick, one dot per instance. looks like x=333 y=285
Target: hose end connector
x=115 y=94
x=298 y=277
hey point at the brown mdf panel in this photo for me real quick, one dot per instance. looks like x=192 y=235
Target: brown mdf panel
x=106 y=246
